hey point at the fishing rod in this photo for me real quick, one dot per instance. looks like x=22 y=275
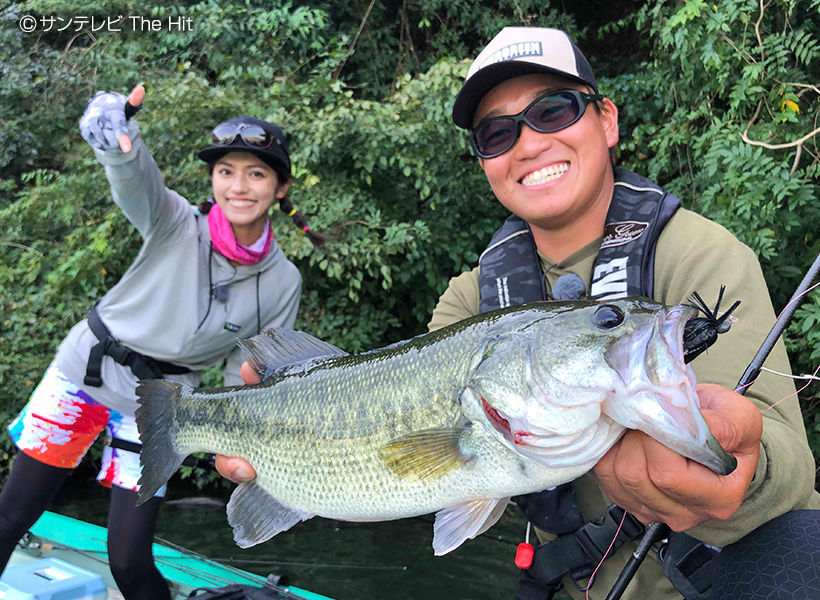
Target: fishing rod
x=753 y=370
x=658 y=531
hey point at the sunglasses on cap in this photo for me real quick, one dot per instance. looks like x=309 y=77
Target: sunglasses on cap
x=252 y=135
x=550 y=113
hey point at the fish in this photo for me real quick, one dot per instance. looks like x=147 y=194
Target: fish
x=455 y=421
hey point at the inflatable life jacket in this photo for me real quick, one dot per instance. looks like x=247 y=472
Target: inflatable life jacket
x=511 y=274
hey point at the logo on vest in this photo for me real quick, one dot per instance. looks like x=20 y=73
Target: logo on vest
x=503 y=292
x=617 y=234
x=609 y=280
x=232 y=327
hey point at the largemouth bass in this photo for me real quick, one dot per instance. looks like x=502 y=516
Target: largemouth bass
x=455 y=421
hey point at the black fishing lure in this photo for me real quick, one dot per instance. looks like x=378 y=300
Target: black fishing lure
x=701 y=332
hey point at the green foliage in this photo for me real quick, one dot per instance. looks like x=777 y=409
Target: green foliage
x=411 y=36
x=365 y=99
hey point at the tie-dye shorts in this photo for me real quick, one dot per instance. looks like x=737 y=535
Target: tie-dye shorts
x=61 y=421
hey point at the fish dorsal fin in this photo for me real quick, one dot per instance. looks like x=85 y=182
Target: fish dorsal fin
x=455 y=525
x=426 y=454
x=256 y=516
x=279 y=347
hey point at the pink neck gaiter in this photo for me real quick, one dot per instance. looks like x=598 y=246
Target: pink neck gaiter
x=225 y=242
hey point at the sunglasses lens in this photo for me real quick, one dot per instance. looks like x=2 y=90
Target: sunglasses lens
x=223 y=134
x=554 y=112
x=495 y=137
x=254 y=135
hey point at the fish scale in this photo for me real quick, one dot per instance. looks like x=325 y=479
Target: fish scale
x=405 y=430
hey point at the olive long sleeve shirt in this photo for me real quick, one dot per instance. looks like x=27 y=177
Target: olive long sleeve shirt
x=695 y=254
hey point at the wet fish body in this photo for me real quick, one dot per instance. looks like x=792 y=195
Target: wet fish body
x=453 y=422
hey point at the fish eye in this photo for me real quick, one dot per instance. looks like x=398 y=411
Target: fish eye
x=608 y=316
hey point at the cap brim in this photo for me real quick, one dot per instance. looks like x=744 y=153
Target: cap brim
x=270 y=155
x=479 y=85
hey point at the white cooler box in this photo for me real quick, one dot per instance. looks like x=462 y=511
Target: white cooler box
x=51 y=579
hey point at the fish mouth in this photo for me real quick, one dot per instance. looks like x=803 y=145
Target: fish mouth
x=660 y=397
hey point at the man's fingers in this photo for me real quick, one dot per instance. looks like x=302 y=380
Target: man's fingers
x=635 y=468
x=637 y=474
x=236 y=469
x=733 y=419
x=656 y=484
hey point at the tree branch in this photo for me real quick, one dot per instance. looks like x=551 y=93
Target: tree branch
x=802 y=140
x=22 y=247
x=746 y=56
x=355 y=39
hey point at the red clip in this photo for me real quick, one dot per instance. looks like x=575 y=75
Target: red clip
x=523 y=555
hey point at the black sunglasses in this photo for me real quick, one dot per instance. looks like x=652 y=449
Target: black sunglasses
x=253 y=135
x=550 y=113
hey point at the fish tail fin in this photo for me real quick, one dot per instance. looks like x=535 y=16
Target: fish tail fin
x=159 y=457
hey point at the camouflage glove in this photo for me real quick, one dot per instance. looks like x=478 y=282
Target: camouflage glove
x=104 y=122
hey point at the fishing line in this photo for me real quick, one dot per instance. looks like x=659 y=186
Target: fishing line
x=811 y=377
x=592 y=577
x=741 y=389
x=753 y=370
x=252 y=561
x=225 y=560
x=797 y=297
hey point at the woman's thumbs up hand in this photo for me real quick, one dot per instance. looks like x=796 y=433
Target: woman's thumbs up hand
x=105 y=123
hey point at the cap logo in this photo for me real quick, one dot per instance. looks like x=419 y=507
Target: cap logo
x=512 y=52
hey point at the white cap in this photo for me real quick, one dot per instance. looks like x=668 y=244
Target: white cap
x=519 y=51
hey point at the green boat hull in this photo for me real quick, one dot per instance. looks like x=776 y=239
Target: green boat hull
x=84 y=545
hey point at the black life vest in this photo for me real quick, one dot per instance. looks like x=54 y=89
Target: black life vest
x=511 y=272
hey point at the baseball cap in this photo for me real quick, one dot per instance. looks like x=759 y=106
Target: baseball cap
x=271 y=148
x=519 y=51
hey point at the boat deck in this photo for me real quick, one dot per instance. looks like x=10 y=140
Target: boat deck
x=84 y=545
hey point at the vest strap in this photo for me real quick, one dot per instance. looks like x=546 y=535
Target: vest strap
x=190 y=461
x=142 y=366
x=577 y=554
x=690 y=565
x=554 y=510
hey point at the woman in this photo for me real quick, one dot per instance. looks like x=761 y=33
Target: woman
x=203 y=278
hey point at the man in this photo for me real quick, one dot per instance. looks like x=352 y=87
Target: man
x=543 y=136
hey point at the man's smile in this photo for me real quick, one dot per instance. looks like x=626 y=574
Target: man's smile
x=546 y=174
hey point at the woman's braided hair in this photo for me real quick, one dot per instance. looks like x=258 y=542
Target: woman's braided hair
x=285 y=205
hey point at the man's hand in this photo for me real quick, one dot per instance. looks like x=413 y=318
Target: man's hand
x=655 y=484
x=237 y=469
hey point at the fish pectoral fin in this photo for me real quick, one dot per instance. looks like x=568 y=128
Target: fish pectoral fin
x=256 y=516
x=279 y=347
x=464 y=522
x=426 y=454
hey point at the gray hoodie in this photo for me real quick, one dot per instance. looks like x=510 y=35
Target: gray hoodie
x=158 y=306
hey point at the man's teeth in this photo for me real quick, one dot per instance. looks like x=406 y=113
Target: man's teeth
x=241 y=203
x=546 y=174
